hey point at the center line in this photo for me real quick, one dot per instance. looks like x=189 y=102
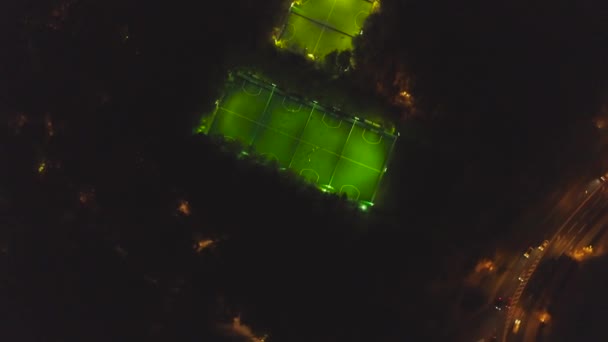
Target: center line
x=314 y=50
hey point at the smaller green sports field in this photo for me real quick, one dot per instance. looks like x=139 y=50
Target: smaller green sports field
x=339 y=154
x=318 y=27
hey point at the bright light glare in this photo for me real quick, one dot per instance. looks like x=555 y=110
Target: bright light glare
x=365 y=205
x=202 y=244
x=516 y=325
x=325 y=187
x=544 y=317
x=582 y=253
x=184 y=207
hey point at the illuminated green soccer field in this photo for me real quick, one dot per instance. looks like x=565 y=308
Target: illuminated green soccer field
x=317 y=27
x=339 y=154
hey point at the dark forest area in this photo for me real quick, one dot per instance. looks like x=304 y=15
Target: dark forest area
x=118 y=224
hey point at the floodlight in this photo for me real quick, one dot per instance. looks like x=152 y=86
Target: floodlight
x=365 y=205
x=326 y=188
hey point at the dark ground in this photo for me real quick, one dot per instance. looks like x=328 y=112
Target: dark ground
x=105 y=94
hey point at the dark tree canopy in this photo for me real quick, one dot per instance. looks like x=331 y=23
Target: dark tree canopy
x=118 y=224
x=508 y=90
x=515 y=59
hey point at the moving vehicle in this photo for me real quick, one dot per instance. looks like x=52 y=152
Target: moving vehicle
x=516 y=325
x=501 y=303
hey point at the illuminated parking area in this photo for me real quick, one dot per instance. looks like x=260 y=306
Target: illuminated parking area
x=339 y=154
x=314 y=28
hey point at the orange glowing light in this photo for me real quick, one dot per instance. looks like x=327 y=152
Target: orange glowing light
x=202 y=244
x=184 y=207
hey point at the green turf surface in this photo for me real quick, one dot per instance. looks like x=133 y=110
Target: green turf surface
x=339 y=153
x=342 y=15
x=326 y=131
x=368 y=147
x=318 y=27
x=275 y=145
x=233 y=126
x=356 y=180
x=307 y=37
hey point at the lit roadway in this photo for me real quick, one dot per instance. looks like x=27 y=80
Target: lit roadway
x=491 y=319
x=579 y=229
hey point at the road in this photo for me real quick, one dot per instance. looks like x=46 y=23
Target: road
x=578 y=228
x=491 y=319
x=589 y=223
